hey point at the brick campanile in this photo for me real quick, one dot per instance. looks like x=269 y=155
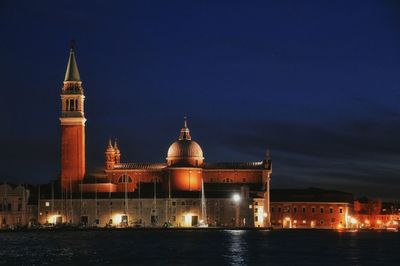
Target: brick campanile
x=72 y=128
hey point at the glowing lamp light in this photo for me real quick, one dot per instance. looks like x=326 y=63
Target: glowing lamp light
x=53 y=218
x=379 y=222
x=236 y=198
x=117 y=219
x=353 y=220
x=265 y=214
x=188 y=219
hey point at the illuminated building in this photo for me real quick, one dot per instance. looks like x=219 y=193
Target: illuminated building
x=310 y=208
x=152 y=192
x=72 y=127
x=15 y=208
x=375 y=214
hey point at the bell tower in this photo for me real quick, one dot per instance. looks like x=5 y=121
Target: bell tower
x=72 y=128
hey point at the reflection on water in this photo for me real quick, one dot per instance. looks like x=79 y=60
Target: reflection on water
x=223 y=247
x=237 y=247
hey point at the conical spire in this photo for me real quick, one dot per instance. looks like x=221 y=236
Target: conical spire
x=116 y=146
x=110 y=146
x=72 y=73
x=185 y=132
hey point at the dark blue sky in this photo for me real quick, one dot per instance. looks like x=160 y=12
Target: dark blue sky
x=318 y=82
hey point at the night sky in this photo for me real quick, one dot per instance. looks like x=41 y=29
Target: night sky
x=318 y=82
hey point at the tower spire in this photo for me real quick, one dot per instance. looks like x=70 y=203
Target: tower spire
x=185 y=132
x=110 y=146
x=73 y=163
x=72 y=73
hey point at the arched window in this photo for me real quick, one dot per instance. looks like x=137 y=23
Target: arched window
x=124 y=179
x=72 y=105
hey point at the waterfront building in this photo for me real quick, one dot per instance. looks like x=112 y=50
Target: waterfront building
x=16 y=209
x=184 y=185
x=375 y=214
x=310 y=208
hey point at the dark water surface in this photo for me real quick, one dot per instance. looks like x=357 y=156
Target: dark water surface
x=199 y=247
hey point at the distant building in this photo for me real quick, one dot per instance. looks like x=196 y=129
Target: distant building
x=310 y=208
x=375 y=214
x=16 y=210
x=152 y=193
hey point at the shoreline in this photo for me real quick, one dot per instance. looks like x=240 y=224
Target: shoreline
x=171 y=229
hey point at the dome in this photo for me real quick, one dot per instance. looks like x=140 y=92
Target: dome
x=185 y=151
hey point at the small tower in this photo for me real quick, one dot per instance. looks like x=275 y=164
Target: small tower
x=110 y=156
x=72 y=121
x=267 y=160
x=117 y=153
x=185 y=132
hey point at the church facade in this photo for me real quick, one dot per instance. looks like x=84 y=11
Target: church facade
x=185 y=184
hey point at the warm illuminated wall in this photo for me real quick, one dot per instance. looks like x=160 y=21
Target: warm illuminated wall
x=143 y=176
x=185 y=179
x=182 y=212
x=291 y=215
x=234 y=176
x=72 y=155
x=101 y=187
x=377 y=221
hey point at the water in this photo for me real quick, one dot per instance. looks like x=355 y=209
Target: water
x=223 y=247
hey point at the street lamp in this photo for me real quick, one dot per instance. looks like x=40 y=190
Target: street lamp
x=236 y=198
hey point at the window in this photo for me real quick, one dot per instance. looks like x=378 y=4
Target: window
x=330 y=210
x=71 y=105
x=321 y=210
x=244 y=180
x=322 y=222
x=173 y=203
x=255 y=209
x=304 y=209
x=124 y=179
x=256 y=218
x=47 y=204
x=340 y=210
x=272 y=209
x=313 y=209
x=256 y=203
x=295 y=209
x=279 y=209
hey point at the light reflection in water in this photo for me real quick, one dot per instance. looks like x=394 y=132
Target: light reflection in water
x=237 y=247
